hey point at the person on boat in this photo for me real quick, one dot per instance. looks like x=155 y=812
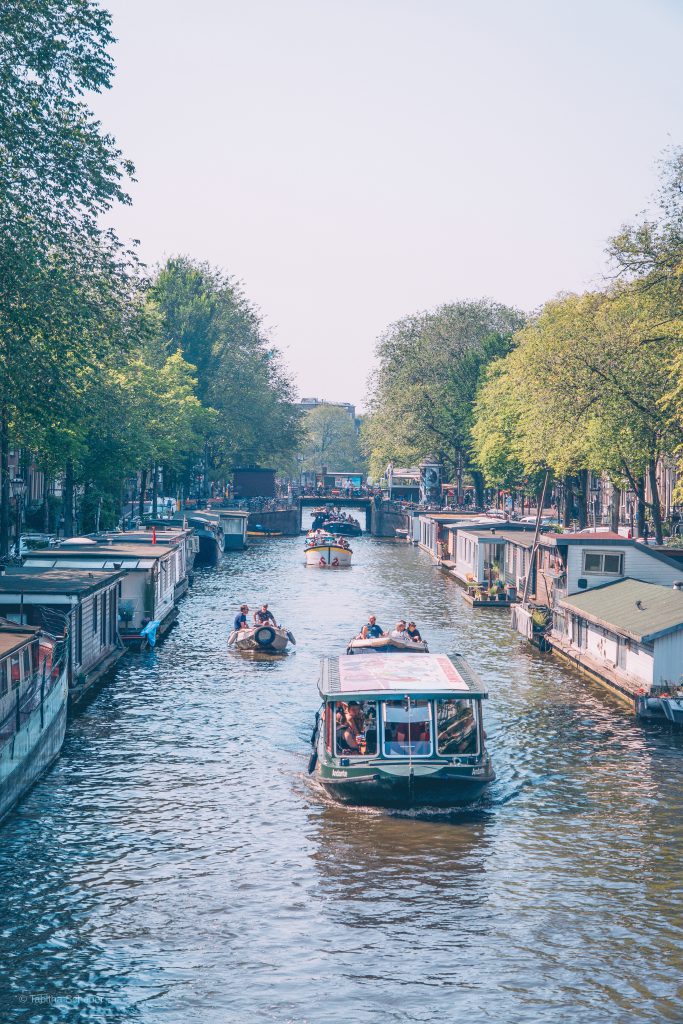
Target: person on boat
x=399 y=633
x=262 y=616
x=414 y=633
x=350 y=726
x=371 y=630
x=241 y=622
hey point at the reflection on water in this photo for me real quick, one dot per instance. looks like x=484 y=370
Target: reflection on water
x=177 y=861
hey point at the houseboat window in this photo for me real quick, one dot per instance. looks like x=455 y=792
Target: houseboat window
x=27 y=662
x=456 y=727
x=94 y=614
x=407 y=728
x=356 y=728
x=605 y=563
x=4 y=677
x=15 y=671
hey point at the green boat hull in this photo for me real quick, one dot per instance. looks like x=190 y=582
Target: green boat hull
x=398 y=786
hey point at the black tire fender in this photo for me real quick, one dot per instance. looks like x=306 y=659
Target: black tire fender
x=264 y=636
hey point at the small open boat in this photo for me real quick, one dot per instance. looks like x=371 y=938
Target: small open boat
x=400 y=731
x=267 y=639
x=327 y=552
x=386 y=645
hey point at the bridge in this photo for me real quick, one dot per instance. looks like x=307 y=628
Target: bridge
x=313 y=501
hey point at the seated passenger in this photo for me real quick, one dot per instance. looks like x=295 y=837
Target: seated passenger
x=262 y=616
x=240 y=622
x=399 y=633
x=371 y=630
x=414 y=633
x=350 y=730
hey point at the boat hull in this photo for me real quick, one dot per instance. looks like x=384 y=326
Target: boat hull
x=373 y=786
x=29 y=753
x=342 y=529
x=328 y=556
x=262 y=640
x=386 y=645
x=673 y=709
x=210 y=548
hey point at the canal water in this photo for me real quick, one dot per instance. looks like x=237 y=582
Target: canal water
x=177 y=864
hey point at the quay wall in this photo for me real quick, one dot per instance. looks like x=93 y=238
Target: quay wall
x=385 y=524
x=283 y=521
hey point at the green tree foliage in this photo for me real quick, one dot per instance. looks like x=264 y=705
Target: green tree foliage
x=206 y=317
x=430 y=367
x=331 y=440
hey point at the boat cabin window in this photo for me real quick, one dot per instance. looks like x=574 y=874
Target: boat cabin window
x=407 y=728
x=456 y=726
x=355 y=728
x=15 y=671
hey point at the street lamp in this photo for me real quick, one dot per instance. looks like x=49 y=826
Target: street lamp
x=18 y=488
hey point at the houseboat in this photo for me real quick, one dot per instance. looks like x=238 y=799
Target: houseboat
x=235 y=524
x=75 y=604
x=400 y=730
x=209 y=530
x=183 y=539
x=33 y=705
x=146 y=609
x=327 y=552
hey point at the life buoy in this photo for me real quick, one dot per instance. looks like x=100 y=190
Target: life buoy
x=264 y=636
x=322 y=561
x=335 y=562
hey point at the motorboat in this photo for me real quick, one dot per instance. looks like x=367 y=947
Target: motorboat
x=400 y=731
x=266 y=639
x=386 y=645
x=325 y=551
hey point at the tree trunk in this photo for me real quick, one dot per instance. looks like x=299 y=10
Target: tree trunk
x=143 y=488
x=69 y=499
x=568 y=501
x=614 y=509
x=478 y=481
x=46 y=504
x=656 y=504
x=155 y=490
x=582 y=497
x=640 y=505
x=4 y=484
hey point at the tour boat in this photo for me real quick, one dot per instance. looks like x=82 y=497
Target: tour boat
x=386 y=645
x=268 y=639
x=396 y=730
x=342 y=527
x=327 y=553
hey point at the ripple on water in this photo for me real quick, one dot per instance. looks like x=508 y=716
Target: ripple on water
x=178 y=861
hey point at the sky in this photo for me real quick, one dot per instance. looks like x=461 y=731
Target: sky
x=356 y=161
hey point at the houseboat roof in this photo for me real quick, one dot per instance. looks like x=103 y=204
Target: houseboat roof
x=70 y=582
x=607 y=539
x=14 y=637
x=641 y=611
x=108 y=551
x=525 y=537
x=395 y=675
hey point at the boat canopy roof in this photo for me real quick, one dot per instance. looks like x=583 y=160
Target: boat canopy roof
x=386 y=676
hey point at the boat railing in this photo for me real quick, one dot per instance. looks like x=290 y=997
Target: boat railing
x=30 y=697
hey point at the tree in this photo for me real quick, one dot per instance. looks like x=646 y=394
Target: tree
x=58 y=173
x=430 y=368
x=331 y=440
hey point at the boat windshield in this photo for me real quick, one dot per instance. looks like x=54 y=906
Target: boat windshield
x=456 y=726
x=407 y=728
x=356 y=728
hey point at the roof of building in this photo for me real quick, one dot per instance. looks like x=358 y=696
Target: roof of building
x=642 y=611
x=607 y=539
x=14 y=637
x=72 y=582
